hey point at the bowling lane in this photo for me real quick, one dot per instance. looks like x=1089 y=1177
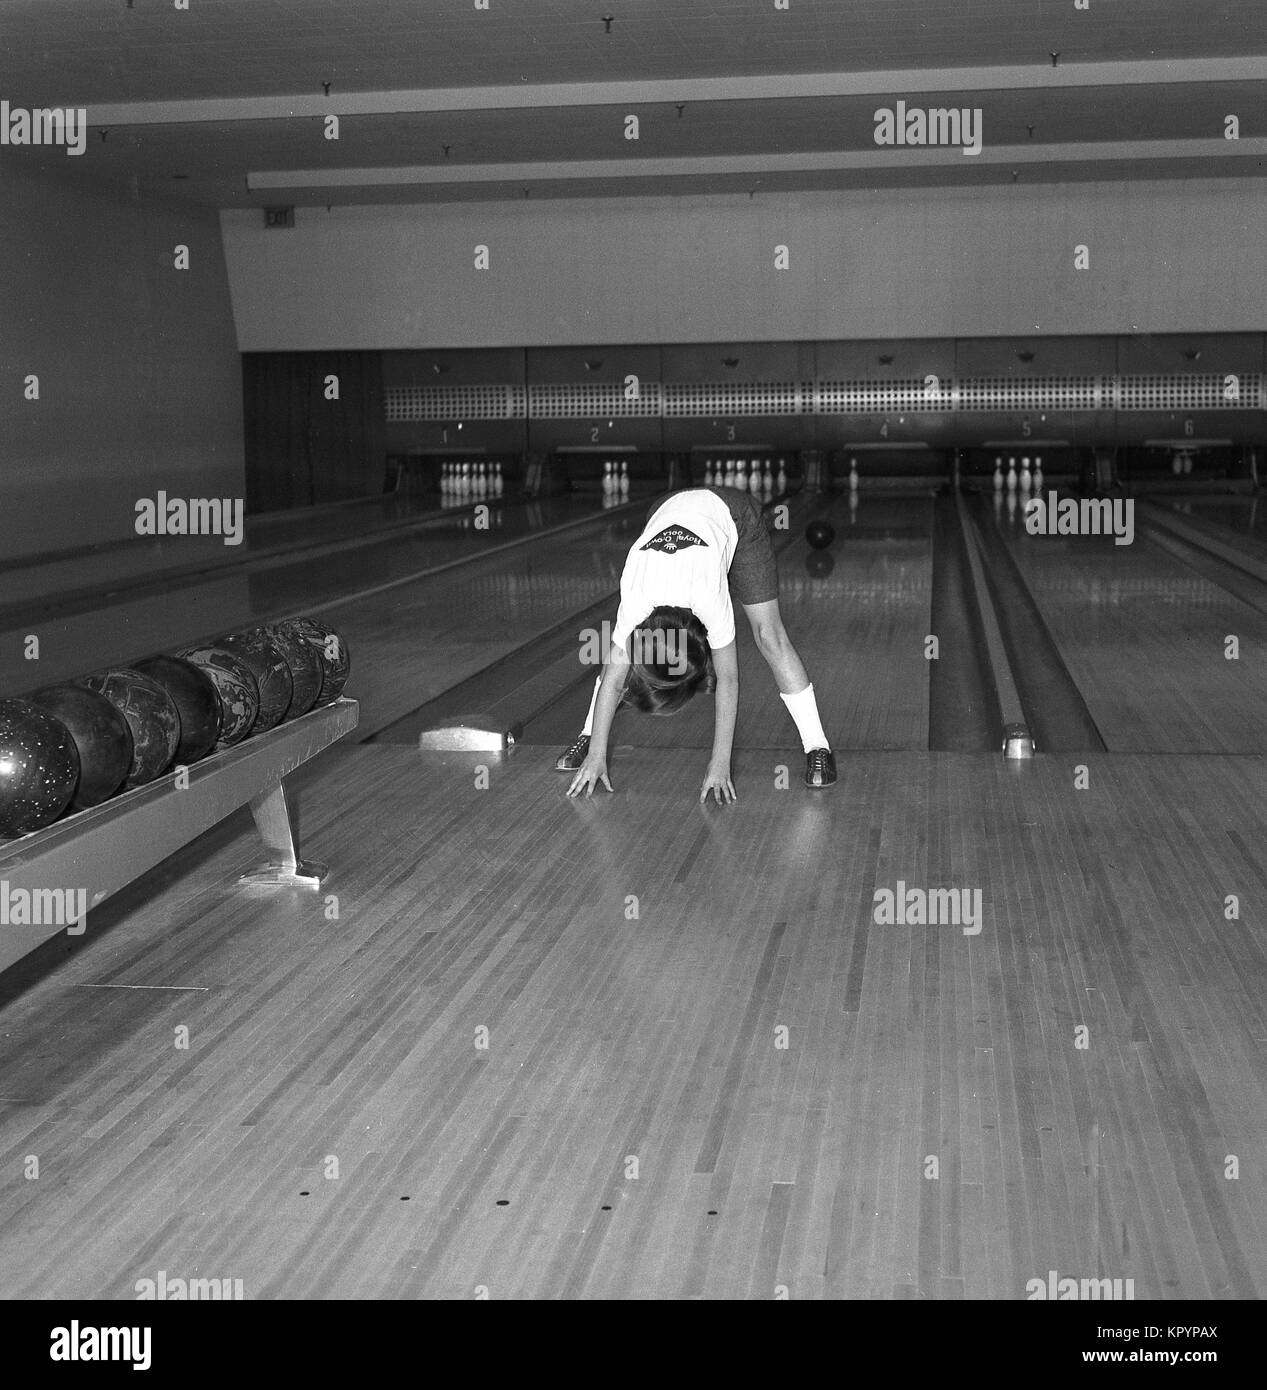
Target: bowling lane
x=139 y=560
x=1143 y=637
x=1238 y=518
x=173 y=612
x=858 y=613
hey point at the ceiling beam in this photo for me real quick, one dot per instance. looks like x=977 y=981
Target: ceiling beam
x=1019 y=156
x=889 y=85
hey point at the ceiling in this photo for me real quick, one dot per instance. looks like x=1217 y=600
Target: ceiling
x=225 y=103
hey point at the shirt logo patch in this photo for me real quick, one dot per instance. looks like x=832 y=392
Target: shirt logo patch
x=672 y=539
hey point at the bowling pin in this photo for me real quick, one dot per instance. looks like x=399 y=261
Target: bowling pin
x=1027 y=478
x=767 y=478
x=466 y=480
x=624 y=478
x=998 y=475
x=1011 y=475
x=730 y=473
x=1187 y=463
x=853 y=475
x=1176 y=465
x=1038 y=475
x=609 y=481
x=708 y=473
x=498 y=483
x=741 y=477
x=781 y=481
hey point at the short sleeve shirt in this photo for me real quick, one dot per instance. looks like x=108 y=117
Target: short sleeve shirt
x=682 y=560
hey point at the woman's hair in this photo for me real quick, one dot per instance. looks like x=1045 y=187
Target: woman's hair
x=669 y=661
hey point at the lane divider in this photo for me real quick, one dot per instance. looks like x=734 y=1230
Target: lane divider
x=1018 y=741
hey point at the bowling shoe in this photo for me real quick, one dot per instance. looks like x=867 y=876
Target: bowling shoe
x=571 y=760
x=820 y=768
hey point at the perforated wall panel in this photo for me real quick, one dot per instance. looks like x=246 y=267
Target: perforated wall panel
x=1033 y=393
x=732 y=400
x=454 y=402
x=883 y=397
x=735 y=398
x=588 y=400
x=1204 y=391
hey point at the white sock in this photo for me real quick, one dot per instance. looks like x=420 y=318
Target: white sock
x=589 y=718
x=803 y=707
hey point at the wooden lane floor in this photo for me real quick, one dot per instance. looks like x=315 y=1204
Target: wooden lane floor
x=1239 y=517
x=424 y=585
x=85 y=569
x=1144 y=637
x=633 y=1047
x=860 y=628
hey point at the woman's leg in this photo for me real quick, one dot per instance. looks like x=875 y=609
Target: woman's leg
x=794 y=689
x=776 y=646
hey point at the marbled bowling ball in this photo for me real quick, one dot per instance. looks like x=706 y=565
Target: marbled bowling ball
x=333 y=653
x=194 y=694
x=271 y=670
x=101 y=735
x=819 y=564
x=151 y=714
x=306 y=671
x=39 y=768
x=235 y=684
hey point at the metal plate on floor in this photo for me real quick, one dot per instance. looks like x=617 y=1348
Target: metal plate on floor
x=468 y=734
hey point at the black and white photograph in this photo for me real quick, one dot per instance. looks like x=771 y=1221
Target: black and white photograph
x=633 y=662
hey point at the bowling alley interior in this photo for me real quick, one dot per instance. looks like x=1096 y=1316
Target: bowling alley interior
x=347 y=352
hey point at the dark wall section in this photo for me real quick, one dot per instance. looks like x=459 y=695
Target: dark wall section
x=315 y=429
x=134 y=358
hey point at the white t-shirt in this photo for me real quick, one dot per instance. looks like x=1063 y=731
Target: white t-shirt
x=682 y=560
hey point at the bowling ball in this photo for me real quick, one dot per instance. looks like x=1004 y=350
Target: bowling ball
x=236 y=686
x=39 y=768
x=101 y=735
x=271 y=671
x=151 y=714
x=332 y=651
x=819 y=564
x=306 y=671
x=195 y=697
x=820 y=534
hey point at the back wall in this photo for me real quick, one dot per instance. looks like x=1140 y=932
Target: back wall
x=1164 y=257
